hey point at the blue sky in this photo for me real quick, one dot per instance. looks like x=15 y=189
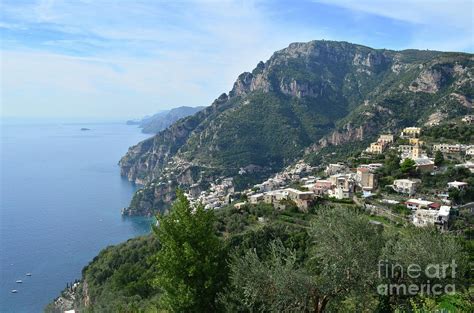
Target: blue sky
x=126 y=58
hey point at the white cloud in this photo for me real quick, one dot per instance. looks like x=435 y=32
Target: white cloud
x=136 y=57
x=458 y=13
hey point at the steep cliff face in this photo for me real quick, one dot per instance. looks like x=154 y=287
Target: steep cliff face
x=306 y=95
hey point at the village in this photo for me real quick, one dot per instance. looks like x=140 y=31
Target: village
x=303 y=185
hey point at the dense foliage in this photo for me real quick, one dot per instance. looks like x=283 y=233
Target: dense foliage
x=258 y=259
x=189 y=265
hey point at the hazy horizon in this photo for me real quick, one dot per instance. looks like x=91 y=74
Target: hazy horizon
x=105 y=59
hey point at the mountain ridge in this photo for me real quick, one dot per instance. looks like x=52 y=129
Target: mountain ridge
x=161 y=120
x=306 y=96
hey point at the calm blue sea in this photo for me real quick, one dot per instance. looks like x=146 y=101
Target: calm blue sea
x=60 y=200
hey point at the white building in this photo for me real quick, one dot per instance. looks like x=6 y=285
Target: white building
x=341 y=193
x=256 y=198
x=447 y=148
x=457 y=184
x=424 y=217
x=415 y=204
x=407 y=186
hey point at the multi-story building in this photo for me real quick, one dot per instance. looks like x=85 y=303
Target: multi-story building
x=439 y=218
x=376 y=148
x=407 y=186
x=447 y=148
x=385 y=139
x=301 y=198
x=365 y=179
x=411 y=132
x=321 y=186
x=410 y=151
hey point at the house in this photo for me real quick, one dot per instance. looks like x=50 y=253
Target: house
x=274 y=197
x=385 y=139
x=365 y=179
x=410 y=151
x=344 y=181
x=411 y=132
x=334 y=168
x=256 y=198
x=457 y=184
x=447 y=148
x=424 y=164
x=468 y=119
x=407 y=186
x=415 y=204
x=444 y=213
x=322 y=186
x=372 y=166
x=376 y=148
x=341 y=193
x=301 y=198
x=424 y=217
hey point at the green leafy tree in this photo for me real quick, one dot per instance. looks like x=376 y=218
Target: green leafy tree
x=408 y=166
x=276 y=283
x=420 y=256
x=190 y=267
x=439 y=158
x=346 y=250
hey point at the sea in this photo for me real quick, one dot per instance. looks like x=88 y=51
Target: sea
x=60 y=199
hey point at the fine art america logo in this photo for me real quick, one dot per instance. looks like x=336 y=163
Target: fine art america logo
x=429 y=280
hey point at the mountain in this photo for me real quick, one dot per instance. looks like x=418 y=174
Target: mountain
x=305 y=97
x=161 y=120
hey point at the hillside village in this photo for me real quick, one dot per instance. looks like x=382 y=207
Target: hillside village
x=369 y=183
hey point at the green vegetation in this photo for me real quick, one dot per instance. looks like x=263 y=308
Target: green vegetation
x=189 y=265
x=450 y=132
x=258 y=259
x=408 y=166
x=439 y=158
x=119 y=279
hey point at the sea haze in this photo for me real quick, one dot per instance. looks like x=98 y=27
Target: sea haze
x=60 y=200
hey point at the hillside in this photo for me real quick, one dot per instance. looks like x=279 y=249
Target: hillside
x=305 y=97
x=161 y=120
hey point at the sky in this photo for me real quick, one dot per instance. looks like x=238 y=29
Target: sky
x=130 y=58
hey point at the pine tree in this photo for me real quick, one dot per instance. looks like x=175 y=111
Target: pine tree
x=190 y=265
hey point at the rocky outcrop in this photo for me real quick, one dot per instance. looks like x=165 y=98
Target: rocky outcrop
x=463 y=99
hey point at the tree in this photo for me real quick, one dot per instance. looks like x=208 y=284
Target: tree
x=276 y=283
x=439 y=158
x=190 y=266
x=407 y=166
x=420 y=256
x=454 y=195
x=345 y=253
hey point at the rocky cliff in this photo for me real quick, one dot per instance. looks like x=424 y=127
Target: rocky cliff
x=305 y=96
